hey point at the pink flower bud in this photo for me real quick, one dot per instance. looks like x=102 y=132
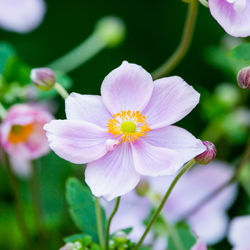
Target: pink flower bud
x=208 y=155
x=43 y=78
x=243 y=78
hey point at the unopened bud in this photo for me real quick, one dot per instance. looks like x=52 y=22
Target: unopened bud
x=142 y=188
x=243 y=78
x=43 y=78
x=111 y=29
x=208 y=155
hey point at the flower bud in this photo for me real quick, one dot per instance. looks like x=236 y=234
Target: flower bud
x=142 y=188
x=208 y=155
x=43 y=78
x=111 y=30
x=243 y=78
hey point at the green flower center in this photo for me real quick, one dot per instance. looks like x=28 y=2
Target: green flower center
x=128 y=127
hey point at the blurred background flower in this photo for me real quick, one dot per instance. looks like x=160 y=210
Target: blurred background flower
x=21 y=16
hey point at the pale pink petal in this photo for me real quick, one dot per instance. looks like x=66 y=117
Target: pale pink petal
x=178 y=139
x=239 y=232
x=210 y=225
x=114 y=174
x=199 y=245
x=172 y=99
x=22 y=167
x=21 y=15
x=77 y=141
x=128 y=87
x=155 y=161
x=89 y=108
x=37 y=144
x=233 y=17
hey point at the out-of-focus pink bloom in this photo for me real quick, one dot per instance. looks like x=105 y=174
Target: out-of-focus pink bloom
x=21 y=16
x=239 y=232
x=22 y=135
x=127 y=132
x=232 y=15
x=210 y=221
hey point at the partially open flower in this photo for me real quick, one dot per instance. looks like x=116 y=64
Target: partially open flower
x=243 y=78
x=232 y=15
x=127 y=132
x=22 y=134
x=208 y=155
x=43 y=78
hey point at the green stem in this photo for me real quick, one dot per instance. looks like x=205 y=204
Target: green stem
x=18 y=204
x=110 y=220
x=99 y=221
x=184 y=45
x=157 y=212
x=61 y=90
x=37 y=202
x=171 y=230
x=243 y=162
x=79 y=55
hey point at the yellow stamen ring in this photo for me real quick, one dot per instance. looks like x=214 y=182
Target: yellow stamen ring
x=128 y=125
x=20 y=133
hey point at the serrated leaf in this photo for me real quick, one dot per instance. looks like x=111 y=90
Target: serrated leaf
x=241 y=52
x=82 y=207
x=183 y=235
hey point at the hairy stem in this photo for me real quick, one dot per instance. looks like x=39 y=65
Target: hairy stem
x=99 y=221
x=184 y=45
x=157 y=212
x=110 y=220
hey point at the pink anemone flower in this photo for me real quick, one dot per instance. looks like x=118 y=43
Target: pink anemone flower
x=21 y=16
x=232 y=15
x=22 y=135
x=126 y=132
x=239 y=231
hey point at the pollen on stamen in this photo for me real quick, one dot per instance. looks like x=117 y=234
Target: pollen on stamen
x=128 y=125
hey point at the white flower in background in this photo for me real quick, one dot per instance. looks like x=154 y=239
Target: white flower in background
x=21 y=16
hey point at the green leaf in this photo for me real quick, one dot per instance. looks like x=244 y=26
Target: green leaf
x=241 y=52
x=6 y=52
x=182 y=234
x=82 y=207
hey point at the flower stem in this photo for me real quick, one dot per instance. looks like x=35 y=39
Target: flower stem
x=61 y=90
x=110 y=220
x=184 y=45
x=18 y=204
x=37 y=203
x=171 y=230
x=243 y=162
x=99 y=221
x=79 y=55
x=157 y=212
